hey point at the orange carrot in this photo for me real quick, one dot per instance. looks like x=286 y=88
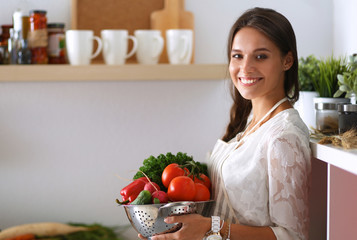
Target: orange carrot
x=28 y=236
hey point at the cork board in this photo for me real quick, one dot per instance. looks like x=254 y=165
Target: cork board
x=97 y=15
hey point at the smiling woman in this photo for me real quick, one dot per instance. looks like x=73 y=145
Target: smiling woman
x=260 y=169
x=273 y=36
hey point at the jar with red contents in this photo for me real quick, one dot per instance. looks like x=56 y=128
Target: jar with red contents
x=56 y=43
x=37 y=38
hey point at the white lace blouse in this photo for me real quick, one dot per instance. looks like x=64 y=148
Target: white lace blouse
x=267 y=177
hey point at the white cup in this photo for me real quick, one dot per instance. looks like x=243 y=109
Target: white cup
x=179 y=45
x=150 y=46
x=79 y=44
x=115 y=46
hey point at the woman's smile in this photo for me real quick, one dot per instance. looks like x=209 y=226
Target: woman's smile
x=249 y=81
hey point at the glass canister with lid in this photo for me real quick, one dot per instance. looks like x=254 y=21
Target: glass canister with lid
x=326 y=117
x=347 y=117
x=37 y=37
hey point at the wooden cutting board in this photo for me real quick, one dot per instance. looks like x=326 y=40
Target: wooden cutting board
x=113 y=14
x=173 y=16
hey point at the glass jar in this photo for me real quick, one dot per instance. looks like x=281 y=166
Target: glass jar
x=4 y=54
x=37 y=38
x=326 y=117
x=5 y=35
x=347 y=117
x=56 y=43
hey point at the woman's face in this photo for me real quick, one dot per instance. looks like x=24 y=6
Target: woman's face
x=257 y=66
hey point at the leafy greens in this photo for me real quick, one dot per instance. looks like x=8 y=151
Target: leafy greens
x=154 y=166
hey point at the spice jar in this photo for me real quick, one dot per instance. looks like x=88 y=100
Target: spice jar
x=326 y=117
x=4 y=53
x=347 y=117
x=56 y=43
x=37 y=38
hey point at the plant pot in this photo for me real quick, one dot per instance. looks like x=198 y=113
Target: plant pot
x=327 y=114
x=305 y=107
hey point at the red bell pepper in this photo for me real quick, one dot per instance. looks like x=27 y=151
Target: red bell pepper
x=131 y=191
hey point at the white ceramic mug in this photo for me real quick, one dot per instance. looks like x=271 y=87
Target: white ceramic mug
x=79 y=44
x=179 y=45
x=115 y=46
x=150 y=46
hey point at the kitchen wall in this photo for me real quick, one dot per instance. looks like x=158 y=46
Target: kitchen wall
x=312 y=21
x=345 y=35
x=63 y=143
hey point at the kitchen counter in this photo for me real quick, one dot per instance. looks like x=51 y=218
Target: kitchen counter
x=345 y=159
x=334 y=192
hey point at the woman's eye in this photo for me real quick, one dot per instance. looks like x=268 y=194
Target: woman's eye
x=262 y=56
x=237 y=56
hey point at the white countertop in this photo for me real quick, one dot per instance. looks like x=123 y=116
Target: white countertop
x=337 y=156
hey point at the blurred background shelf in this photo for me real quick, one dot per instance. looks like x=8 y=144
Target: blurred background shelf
x=101 y=72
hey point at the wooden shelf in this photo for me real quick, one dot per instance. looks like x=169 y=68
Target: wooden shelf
x=101 y=72
x=336 y=156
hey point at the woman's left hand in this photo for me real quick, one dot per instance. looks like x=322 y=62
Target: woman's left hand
x=194 y=227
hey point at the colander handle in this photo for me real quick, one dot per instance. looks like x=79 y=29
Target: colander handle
x=173 y=204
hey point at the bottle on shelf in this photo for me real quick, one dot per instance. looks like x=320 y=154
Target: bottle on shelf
x=13 y=46
x=24 y=53
x=17 y=20
x=15 y=32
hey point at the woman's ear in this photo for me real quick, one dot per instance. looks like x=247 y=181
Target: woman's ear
x=288 y=61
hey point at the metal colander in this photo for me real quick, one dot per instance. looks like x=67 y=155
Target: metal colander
x=148 y=219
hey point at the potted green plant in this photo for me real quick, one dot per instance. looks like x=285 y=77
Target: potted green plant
x=347 y=81
x=326 y=85
x=308 y=70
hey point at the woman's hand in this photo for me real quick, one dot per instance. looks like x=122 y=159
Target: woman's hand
x=141 y=237
x=194 y=227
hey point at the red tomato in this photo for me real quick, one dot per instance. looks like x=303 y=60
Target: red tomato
x=202 y=193
x=205 y=180
x=181 y=188
x=170 y=172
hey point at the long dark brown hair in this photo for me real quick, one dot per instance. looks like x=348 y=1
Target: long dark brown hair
x=279 y=30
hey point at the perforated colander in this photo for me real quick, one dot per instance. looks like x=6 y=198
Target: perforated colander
x=148 y=219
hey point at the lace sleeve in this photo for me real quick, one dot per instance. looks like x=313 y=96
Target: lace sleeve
x=289 y=167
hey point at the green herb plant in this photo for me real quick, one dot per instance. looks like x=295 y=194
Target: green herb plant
x=327 y=84
x=154 y=166
x=347 y=81
x=308 y=71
